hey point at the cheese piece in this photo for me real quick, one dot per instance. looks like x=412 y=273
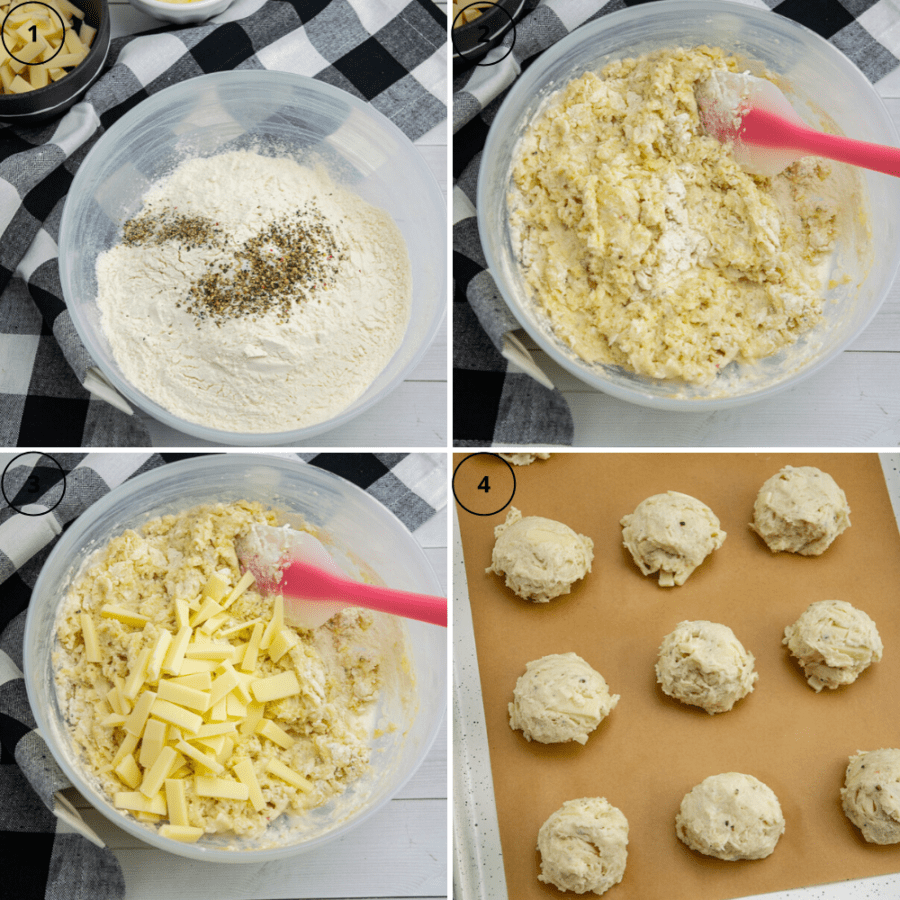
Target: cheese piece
x=129 y=771
x=125 y=616
x=128 y=745
x=245 y=582
x=275 y=623
x=269 y=729
x=284 y=684
x=208 y=609
x=158 y=655
x=247 y=775
x=234 y=707
x=190 y=697
x=224 y=755
x=202 y=681
x=278 y=768
x=136 y=676
x=91 y=644
x=217 y=712
x=224 y=788
x=208 y=650
x=216 y=743
x=193 y=666
x=157 y=774
x=134 y=724
x=182 y=613
x=175 y=654
x=248 y=663
x=213 y=624
x=215 y=588
x=242 y=690
x=176 y=801
x=114 y=699
x=255 y=711
x=176 y=715
x=283 y=641
x=152 y=742
x=224 y=684
x=213 y=728
x=187 y=834
x=137 y=802
x=209 y=762
x=238 y=627
x=113 y=720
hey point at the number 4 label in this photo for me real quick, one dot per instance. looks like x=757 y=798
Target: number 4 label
x=484 y=484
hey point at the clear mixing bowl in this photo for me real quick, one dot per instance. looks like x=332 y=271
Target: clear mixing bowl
x=362 y=150
x=366 y=537
x=818 y=79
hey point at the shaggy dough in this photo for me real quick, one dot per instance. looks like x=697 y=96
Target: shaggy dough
x=834 y=643
x=671 y=534
x=560 y=698
x=703 y=664
x=541 y=558
x=643 y=240
x=583 y=846
x=340 y=667
x=871 y=795
x=523 y=459
x=730 y=816
x=800 y=510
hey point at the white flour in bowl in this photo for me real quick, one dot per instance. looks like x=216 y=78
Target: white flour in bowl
x=252 y=294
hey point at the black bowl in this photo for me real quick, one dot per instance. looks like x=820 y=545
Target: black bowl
x=473 y=40
x=54 y=99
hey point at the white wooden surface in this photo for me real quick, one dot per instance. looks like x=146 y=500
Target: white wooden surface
x=401 y=851
x=415 y=415
x=853 y=402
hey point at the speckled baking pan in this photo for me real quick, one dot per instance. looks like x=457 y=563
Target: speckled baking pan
x=651 y=750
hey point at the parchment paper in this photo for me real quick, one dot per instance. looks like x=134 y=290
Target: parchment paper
x=652 y=749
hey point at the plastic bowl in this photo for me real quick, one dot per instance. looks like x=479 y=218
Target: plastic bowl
x=212 y=114
x=817 y=78
x=367 y=536
x=182 y=13
x=53 y=100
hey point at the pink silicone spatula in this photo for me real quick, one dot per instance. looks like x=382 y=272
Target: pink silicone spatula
x=767 y=133
x=297 y=565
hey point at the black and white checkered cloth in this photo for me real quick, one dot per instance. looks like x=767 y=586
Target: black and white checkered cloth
x=62 y=864
x=390 y=53
x=492 y=405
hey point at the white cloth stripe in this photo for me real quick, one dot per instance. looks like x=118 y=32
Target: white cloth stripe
x=75 y=128
x=9 y=203
x=462 y=206
x=425 y=474
x=9 y=671
x=22 y=536
x=42 y=248
x=114 y=468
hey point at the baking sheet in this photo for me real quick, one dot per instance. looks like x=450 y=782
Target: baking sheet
x=652 y=749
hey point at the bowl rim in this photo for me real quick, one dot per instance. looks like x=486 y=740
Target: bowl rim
x=526 y=84
x=70 y=540
x=229 y=438
x=188 y=5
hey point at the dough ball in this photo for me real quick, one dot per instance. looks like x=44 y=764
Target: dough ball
x=523 y=459
x=671 y=534
x=704 y=664
x=730 y=816
x=583 y=846
x=871 y=795
x=834 y=642
x=560 y=698
x=541 y=558
x=800 y=510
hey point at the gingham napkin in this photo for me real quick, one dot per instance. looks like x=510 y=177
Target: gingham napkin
x=390 y=53
x=59 y=862
x=493 y=405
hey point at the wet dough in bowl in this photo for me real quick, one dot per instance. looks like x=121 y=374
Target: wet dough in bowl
x=540 y=558
x=560 y=698
x=800 y=510
x=672 y=534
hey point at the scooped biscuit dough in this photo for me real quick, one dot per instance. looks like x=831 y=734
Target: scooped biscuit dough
x=583 y=846
x=703 y=664
x=671 y=534
x=730 y=816
x=560 y=698
x=834 y=643
x=540 y=558
x=800 y=510
x=871 y=795
x=523 y=459
x=320 y=728
x=643 y=240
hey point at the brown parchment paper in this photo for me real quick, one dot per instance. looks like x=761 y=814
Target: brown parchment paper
x=652 y=749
